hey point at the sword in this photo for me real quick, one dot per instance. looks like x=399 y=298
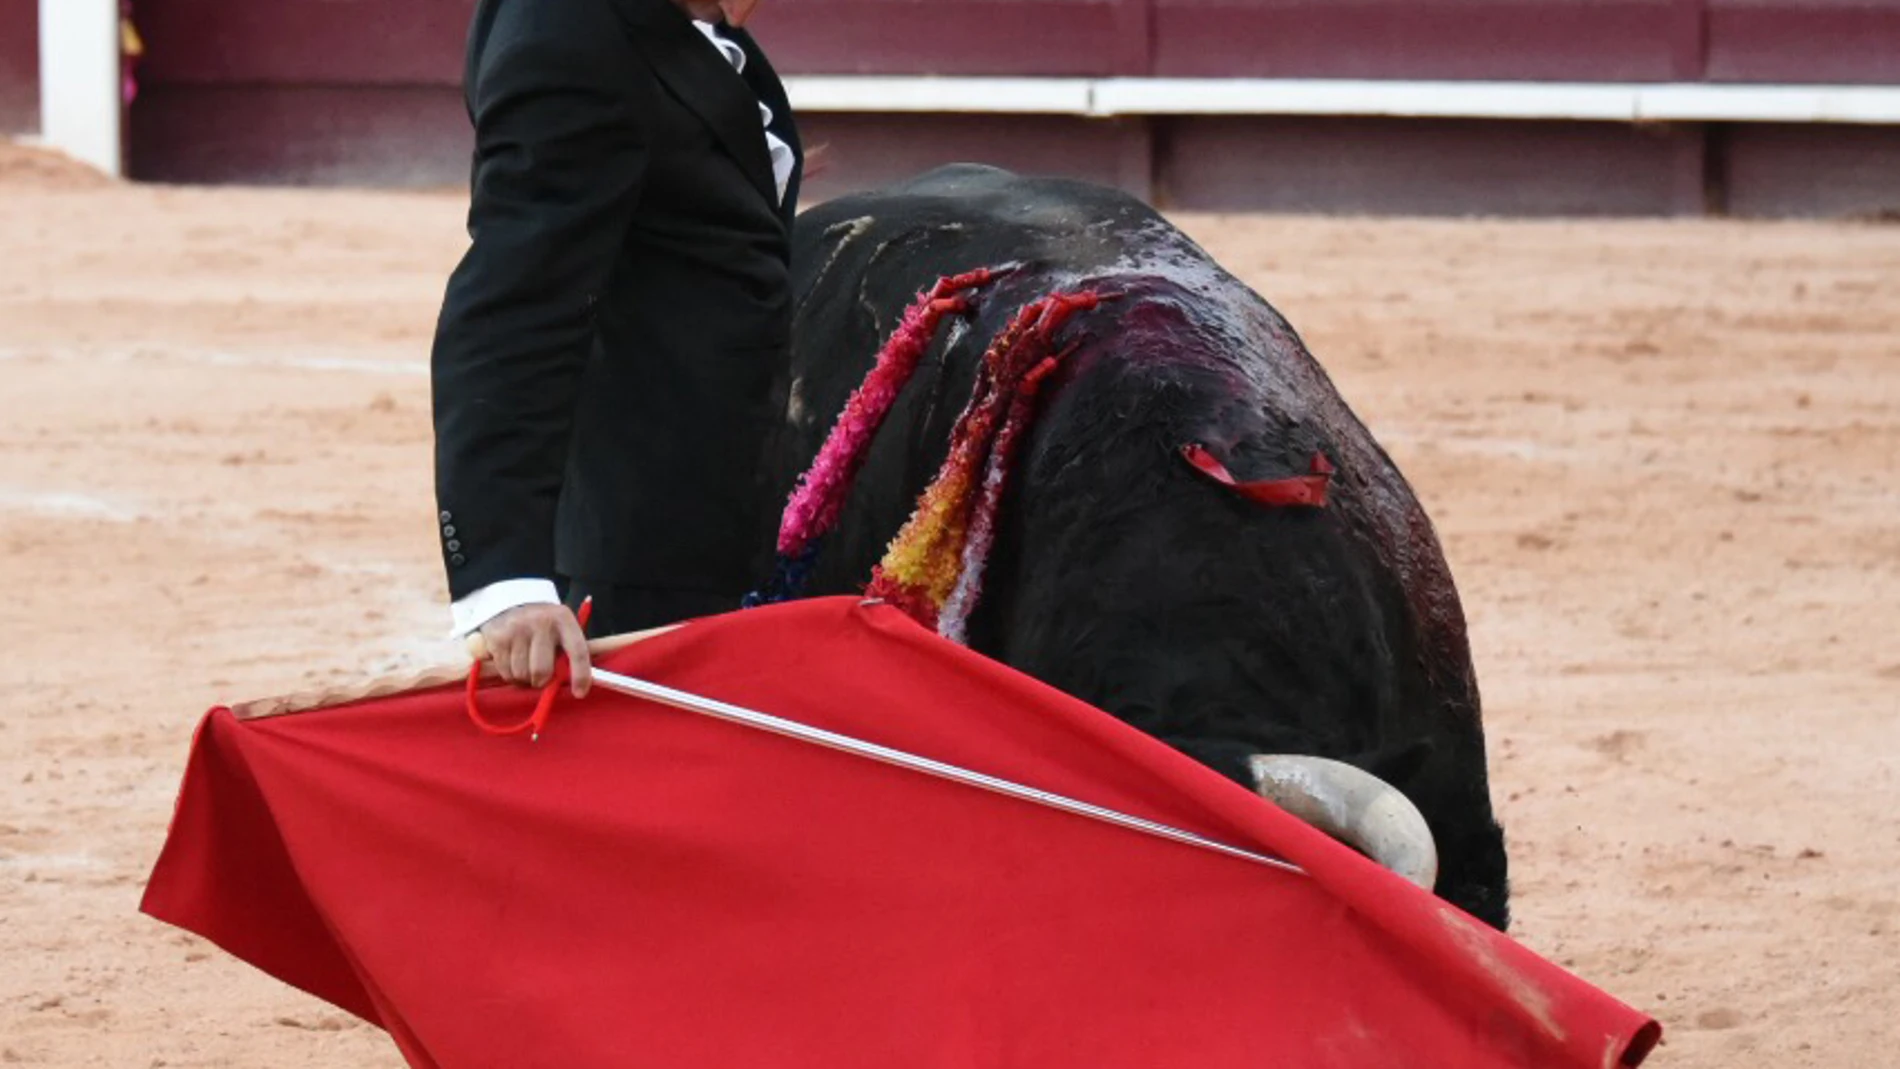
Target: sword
x=736 y=714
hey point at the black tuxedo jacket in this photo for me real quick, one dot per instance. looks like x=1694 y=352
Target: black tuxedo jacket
x=611 y=351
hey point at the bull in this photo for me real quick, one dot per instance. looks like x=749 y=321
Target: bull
x=1317 y=655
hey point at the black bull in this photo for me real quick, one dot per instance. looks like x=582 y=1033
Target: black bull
x=1119 y=575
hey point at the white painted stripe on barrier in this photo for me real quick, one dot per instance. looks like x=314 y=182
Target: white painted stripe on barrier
x=1249 y=96
x=1577 y=101
x=1865 y=104
x=869 y=93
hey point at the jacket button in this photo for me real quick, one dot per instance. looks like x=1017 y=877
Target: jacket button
x=454 y=545
x=446 y=517
x=458 y=560
x=448 y=530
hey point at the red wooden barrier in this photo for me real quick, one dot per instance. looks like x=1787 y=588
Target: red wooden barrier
x=1544 y=40
x=1428 y=167
x=300 y=135
x=19 y=66
x=1804 y=40
x=962 y=37
x=367 y=92
x=419 y=42
x=864 y=151
x=1809 y=170
x=303 y=42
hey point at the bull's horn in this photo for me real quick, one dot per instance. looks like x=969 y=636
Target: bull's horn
x=1353 y=806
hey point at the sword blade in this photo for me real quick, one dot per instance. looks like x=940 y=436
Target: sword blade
x=736 y=714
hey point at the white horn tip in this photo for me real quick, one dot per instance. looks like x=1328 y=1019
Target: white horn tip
x=1353 y=806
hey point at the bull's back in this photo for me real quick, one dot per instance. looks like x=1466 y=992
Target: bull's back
x=859 y=261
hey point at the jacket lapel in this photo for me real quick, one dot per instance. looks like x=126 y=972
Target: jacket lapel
x=765 y=84
x=702 y=80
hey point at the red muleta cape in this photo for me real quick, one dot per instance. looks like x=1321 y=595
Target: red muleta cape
x=650 y=887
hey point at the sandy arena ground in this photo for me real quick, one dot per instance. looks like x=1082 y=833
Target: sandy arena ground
x=1663 y=456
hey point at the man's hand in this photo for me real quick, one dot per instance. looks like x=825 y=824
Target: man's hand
x=522 y=643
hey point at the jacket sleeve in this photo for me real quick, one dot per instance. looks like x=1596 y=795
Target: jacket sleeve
x=558 y=163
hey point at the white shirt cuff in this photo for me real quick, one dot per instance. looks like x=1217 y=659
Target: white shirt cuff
x=494 y=599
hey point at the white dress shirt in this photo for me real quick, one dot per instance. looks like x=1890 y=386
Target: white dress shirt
x=471 y=612
x=782 y=158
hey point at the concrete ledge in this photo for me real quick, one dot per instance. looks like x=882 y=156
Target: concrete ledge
x=876 y=94
x=1564 y=101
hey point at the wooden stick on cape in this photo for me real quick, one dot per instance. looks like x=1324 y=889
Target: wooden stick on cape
x=406 y=683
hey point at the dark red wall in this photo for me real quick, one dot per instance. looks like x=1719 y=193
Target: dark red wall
x=1604 y=40
x=330 y=92
x=418 y=42
x=863 y=151
x=1772 y=170
x=366 y=92
x=303 y=42
x=1428 y=167
x=998 y=37
x=1804 y=40
x=1539 y=40
x=300 y=135
x=19 y=66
